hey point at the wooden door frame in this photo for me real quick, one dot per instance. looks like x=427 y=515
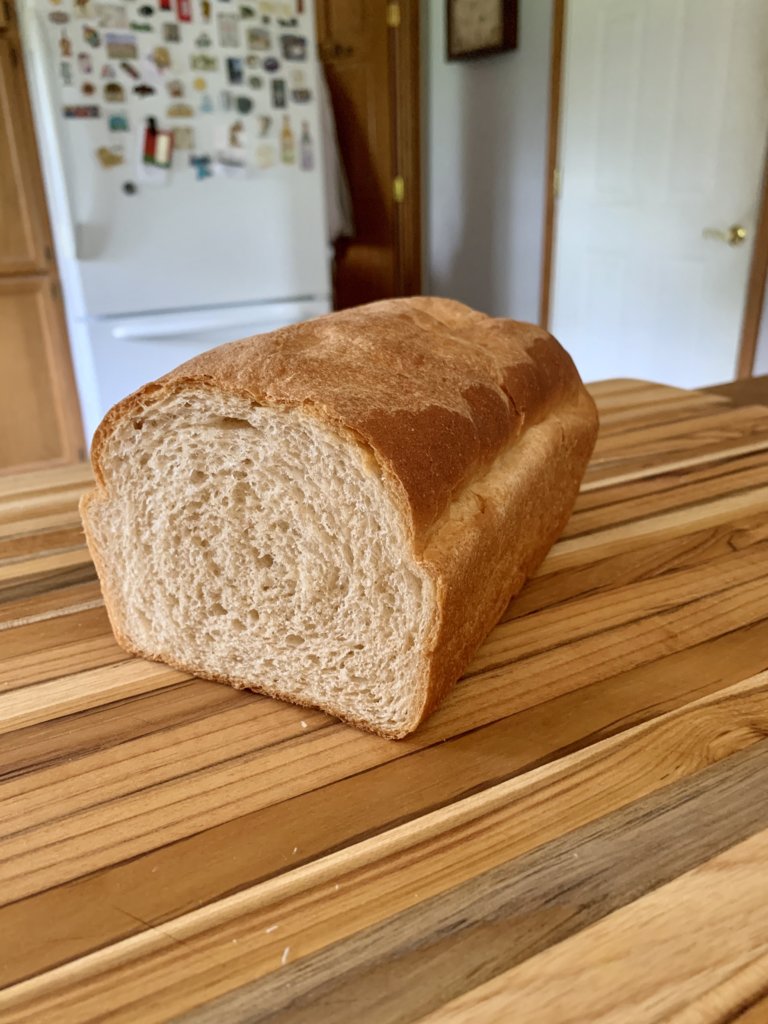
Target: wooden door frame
x=758 y=271
x=405 y=79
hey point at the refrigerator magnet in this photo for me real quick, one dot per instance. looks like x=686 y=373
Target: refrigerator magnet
x=306 y=148
x=203 y=62
x=130 y=189
x=258 y=39
x=58 y=17
x=271 y=64
x=253 y=61
x=278 y=94
x=176 y=87
x=199 y=84
x=255 y=81
x=65 y=71
x=202 y=166
x=82 y=111
x=161 y=58
x=121 y=45
x=247 y=12
x=287 y=142
x=244 y=104
x=235 y=70
x=108 y=72
x=87 y=88
x=206 y=104
x=163 y=149
x=184 y=10
x=118 y=122
x=171 y=32
x=143 y=90
x=301 y=95
x=150 y=137
x=65 y=44
x=114 y=93
x=146 y=11
x=180 y=110
x=84 y=63
x=265 y=124
x=228 y=29
x=235 y=134
x=203 y=41
x=298 y=78
x=91 y=36
x=293 y=47
x=205 y=10
x=266 y=155
x=184 y=138
x=130 y=70
x=83 y=9
x=165 y=5
x=140 y=26
x=226 y=99
x=111 y=15
x=110 y=156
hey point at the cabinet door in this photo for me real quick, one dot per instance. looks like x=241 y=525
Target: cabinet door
x=39 y=420
x=23 y=219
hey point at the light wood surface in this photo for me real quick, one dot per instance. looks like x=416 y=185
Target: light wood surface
x=579 y=834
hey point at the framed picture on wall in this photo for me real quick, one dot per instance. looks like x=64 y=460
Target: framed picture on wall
x=476 y=28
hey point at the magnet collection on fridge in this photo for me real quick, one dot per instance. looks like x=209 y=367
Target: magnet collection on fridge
x=139 y=54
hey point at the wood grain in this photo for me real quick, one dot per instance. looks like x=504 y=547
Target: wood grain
x=154 y=829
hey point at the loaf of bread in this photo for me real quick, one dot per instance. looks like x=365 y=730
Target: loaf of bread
x=338 y=512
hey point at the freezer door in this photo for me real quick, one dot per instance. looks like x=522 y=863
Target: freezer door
x=126 y=353
x=134 y=237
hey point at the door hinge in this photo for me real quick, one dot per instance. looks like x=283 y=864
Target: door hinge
x=393 y=14
x=557 y=182
x=398 y=188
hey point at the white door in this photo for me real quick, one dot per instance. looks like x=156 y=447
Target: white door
x=665 y=113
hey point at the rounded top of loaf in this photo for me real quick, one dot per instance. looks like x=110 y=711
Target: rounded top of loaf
x=434 y=389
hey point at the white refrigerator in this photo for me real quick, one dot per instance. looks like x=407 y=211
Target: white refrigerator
x=182 y=159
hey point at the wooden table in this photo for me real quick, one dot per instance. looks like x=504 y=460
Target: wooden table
x=580 y=834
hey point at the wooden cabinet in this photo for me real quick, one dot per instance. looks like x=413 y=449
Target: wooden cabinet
x=39 y=414
x=24 y=245
x=38 y=419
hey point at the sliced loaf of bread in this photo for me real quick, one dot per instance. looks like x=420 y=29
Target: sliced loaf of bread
x=338 y=512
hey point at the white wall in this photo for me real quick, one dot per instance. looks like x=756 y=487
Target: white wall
x=485 y=126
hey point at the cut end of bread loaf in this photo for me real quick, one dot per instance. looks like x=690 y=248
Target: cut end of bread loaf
x=260 y=546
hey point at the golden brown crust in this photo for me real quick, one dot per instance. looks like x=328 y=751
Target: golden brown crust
x=441 y=395
x=435 y=389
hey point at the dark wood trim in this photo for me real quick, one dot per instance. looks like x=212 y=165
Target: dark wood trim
x=553 y=137
x=758 y=269
x=407 y=150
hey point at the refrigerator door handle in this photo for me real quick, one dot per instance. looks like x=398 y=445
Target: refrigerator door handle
x=38 y=64
x=185 y=326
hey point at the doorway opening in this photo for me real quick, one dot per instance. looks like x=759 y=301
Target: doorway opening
x=370 y=55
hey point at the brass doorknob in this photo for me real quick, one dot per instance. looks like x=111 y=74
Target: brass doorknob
x=734 y=235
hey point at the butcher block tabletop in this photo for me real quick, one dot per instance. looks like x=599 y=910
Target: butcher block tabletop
x=580 y=834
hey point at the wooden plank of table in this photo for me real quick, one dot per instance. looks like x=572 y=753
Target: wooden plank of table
x=207 y=952
x=449 y=945
x=701 y=938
